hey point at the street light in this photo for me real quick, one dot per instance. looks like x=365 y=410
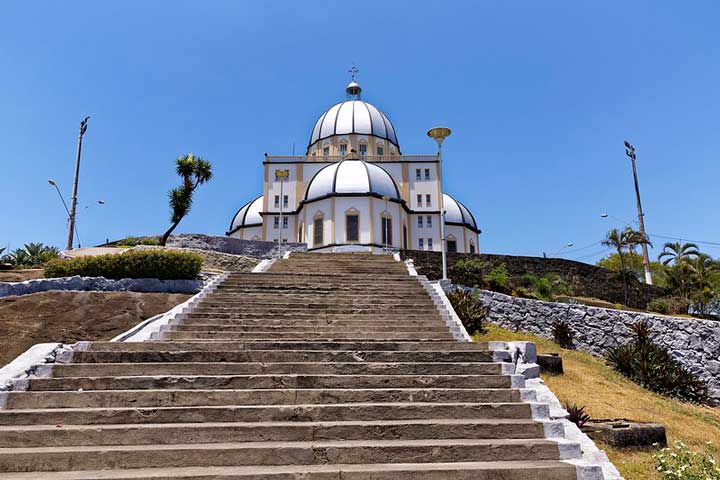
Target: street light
x=568 y=245
x=439 y=134
x=73 y=200
x=281 y=175
x=630 y=152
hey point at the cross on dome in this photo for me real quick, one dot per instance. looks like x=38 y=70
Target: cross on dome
x=353 y=89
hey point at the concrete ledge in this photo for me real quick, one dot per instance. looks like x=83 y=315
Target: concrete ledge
x=100 y=284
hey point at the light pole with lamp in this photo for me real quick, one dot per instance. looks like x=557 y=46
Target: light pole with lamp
x=439 y=134
x=73 y=200
x=630 y=152
x=281 y=176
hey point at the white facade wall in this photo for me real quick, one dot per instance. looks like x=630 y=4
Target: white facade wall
x=249 y=233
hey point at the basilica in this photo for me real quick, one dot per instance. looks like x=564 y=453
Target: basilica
x=354 y=190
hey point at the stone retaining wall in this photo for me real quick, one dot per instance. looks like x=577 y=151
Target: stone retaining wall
x=146 y=285
x=694 y=343
x=235 y=246
x=586 y=280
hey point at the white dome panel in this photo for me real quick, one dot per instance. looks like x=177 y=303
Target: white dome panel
x=352 y=177
x=322 y=182
x=378 y=125
x=248 y=215
x=382 y=182
x=457 y=213
x=362 y=118
x=344 y=124
x=329 y=121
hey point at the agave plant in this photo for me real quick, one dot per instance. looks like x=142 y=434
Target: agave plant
x=469 y=309
x=577 y=414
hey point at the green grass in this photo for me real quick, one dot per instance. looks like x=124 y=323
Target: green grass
x=606 y=394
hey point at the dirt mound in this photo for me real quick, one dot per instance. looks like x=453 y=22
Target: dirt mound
x=71 y=316
x=21 y=275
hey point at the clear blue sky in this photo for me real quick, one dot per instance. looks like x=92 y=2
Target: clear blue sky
x=540 y=96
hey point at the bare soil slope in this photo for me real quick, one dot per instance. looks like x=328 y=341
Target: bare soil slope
x=21 y=275
x=71 y=316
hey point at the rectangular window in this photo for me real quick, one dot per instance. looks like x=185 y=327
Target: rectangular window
x=326 y=151
x=276 y=222
x=429 y=243
x=387 y=231
x=285 y=201
x=417 y=174
x=343 y=148
x=451 y=246
x=352 y=228
x=419 y=200
x=427 y=200
x=363 y=149
x=380 y=151
x=429 y=221
x=420 y=223
x=427 y=174
x=277 y=201
x=285 y=222
x=318 y=232
x=421 y=244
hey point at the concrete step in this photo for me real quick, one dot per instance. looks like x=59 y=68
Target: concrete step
x=283 y=356
x=174 y=397
x=133 y=434
x=260 y=344
x=267 y=381
x=290 y=316
x=49 y=459
x=291 y=333
x=519 y=470
x=60 y=371
x=275 y=413
x=323 y=327
x=401 y=325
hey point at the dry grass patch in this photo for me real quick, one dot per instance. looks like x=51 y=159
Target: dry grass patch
x=588 y=381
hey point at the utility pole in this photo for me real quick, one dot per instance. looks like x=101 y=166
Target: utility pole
x=630 y=152
x=73 y=200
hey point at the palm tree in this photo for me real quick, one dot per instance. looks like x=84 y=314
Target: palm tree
x=701 y=268
x=194 y=171
x=624 y=241
x=676 y=252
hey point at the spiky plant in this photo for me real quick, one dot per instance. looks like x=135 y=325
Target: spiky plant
x=577 y=414
x=194 y=171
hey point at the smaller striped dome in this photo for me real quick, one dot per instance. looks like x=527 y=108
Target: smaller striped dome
x=352 y=177
x=457 y=214
x=248 y=215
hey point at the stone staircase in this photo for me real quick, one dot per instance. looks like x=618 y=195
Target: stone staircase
x=329 y=366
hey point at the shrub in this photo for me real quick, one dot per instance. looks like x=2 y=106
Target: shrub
x=135 y=241
x=659 y=305
x=653 y=367
x=165 y=265
x=563 y=334
x=681 y=463
x=576 y=414
x=468 y=307
x=498 y=279
x=546 y=287
x=669 y=305
x=467 y=272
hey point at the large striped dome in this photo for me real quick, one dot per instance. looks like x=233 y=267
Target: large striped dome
x=248 y=215
x=353 y=116
x=352 y=177
x=457 y=214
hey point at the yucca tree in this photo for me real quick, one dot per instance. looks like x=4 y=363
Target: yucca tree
x=194 y=171
x=676 y=252
x=624 y=241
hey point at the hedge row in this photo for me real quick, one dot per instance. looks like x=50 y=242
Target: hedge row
x=161 y=264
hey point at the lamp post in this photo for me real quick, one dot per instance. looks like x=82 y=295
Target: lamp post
x=568 y=245
x=439 y=134
x=73 y=200
x=281 y=176
x=630 y=152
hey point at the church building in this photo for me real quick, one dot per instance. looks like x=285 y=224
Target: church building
x=354 y=190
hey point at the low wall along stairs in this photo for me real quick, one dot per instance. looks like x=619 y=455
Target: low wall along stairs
x=324 y=367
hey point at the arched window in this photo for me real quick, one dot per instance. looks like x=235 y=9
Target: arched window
x=318 y=230
x=472 y=247
x=386 y=229
x=451 y=244
x=352 y=225
x=300 y=233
